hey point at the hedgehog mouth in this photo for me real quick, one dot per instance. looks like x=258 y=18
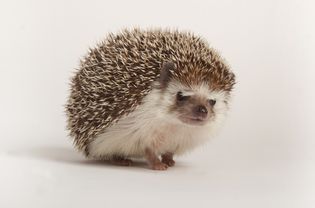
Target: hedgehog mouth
x=196 y=121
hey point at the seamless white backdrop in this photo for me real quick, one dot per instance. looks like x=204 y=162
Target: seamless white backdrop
x=263 y=158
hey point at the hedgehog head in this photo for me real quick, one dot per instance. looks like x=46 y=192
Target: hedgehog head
x=195 y=96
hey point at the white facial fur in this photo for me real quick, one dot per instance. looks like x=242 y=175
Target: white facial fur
x=202 y=90
x=153 y=125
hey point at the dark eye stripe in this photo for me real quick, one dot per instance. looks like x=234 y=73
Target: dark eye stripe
x=181 y=97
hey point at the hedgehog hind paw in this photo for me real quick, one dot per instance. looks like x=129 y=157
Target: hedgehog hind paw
x=118 y=160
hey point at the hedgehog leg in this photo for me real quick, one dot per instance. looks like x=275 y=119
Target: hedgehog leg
x=167 y=159
x=154 y=161
x=118 y=160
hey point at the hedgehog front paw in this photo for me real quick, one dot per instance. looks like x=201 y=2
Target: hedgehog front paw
x=159 y=166
x=168 y=161
x=167 y=158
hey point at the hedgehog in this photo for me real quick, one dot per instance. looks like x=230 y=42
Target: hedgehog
x=148 y=94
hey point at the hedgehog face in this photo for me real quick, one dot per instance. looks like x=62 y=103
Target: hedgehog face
x=199 y=103
x=196 y=105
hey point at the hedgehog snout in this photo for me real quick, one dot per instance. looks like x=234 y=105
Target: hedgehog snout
x=200 y=112
x=194 y=110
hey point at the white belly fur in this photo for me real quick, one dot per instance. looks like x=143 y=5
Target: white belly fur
x=150 y=126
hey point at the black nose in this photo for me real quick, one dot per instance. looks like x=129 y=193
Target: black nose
x=201 y=110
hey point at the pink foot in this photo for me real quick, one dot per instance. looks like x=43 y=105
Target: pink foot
x=159 y=166
x=154 y=161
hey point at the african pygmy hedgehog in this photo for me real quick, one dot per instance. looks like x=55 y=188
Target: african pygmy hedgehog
x=146 y=93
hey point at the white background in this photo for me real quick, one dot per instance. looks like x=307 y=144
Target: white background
x=264 y=156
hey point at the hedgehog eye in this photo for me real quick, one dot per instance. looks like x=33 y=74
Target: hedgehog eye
x=212 y=102
x=181 y=97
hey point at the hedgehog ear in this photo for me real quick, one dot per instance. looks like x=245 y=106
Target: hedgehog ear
x=165 y=74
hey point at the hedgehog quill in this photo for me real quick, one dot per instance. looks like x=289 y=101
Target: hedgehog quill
x=148 y=94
